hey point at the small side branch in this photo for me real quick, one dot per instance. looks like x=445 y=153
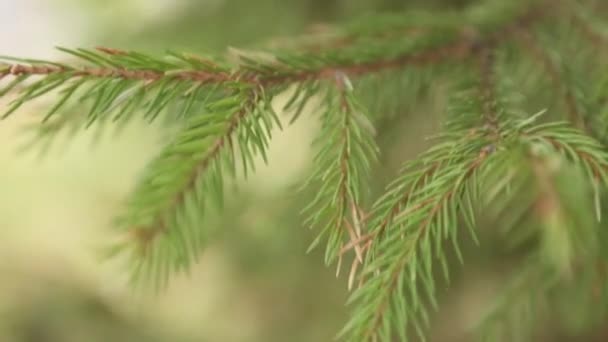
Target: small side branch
x=146 y=235
x=345 y=139
x=410 y=252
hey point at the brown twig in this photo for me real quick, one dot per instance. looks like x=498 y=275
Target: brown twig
x=130 y=74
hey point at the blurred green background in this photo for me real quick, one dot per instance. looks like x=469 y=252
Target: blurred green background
x=254 y=282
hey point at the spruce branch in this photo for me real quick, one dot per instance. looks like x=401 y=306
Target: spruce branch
x=166 y=212
x=421 y=209
x=107 y=64
x=222 y=109
x=404 y=254
x=347 y=151
x=485 y=92
x=434 y=214
x=116 y=84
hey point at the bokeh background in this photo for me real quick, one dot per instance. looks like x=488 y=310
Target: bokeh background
x=254 y=282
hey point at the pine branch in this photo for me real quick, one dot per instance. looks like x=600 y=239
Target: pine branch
x=222 y=107
x=485 y=92
x=429 y=211
x=125 y=66
x=166 y=212
x=347 y=151
x=404 y=253
x=113 y=63
x=119 y=83
x=419 y=211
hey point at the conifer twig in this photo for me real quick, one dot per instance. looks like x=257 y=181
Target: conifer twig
x=146 y=235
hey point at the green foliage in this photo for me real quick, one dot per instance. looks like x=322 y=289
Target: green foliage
x=347 y=152
x=167 y=209
x=492 y=155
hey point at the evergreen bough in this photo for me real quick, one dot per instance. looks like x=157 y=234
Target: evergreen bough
x=527 y=83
